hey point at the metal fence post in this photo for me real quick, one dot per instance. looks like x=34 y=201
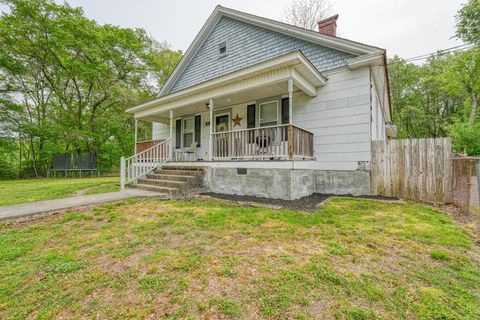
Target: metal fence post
x=122 y=173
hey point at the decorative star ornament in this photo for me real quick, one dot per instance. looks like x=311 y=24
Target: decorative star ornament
x=236 y=121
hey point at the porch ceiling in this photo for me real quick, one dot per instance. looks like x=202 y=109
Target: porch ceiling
x=260 y=81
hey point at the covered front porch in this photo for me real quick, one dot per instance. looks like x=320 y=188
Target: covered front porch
x=280 y=142
x=246 y=115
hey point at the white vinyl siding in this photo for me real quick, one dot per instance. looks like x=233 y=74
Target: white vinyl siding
x=339 y=118
x=160 y=131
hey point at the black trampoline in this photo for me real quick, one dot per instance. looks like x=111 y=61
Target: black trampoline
x=74 y=165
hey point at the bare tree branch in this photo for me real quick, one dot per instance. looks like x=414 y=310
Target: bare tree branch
x=306 y=13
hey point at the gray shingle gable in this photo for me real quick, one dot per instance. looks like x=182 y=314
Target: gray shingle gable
x=248 y=44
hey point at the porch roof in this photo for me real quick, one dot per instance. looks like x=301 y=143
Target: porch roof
x=257 y=81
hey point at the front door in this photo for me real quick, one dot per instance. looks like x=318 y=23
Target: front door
x=222 y=124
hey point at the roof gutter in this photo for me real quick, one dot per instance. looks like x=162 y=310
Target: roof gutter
x=375 y=58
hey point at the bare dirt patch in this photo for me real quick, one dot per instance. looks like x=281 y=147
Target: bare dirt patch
x=309 y=203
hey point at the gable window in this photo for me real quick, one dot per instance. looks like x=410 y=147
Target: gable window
x=268 y=113
x=222 y=48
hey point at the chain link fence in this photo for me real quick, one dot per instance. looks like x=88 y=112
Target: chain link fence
x=466 y=191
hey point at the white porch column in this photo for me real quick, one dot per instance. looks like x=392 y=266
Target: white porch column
x=210 y=146
x=122 y=173
x=170 y=150
x=136 y=135
x=290 y=101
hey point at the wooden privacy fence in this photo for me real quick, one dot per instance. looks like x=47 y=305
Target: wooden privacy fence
x=413 y=169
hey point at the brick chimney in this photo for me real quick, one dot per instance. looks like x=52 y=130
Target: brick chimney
x=328 y=26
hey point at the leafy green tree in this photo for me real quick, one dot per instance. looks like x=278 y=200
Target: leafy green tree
x=163 y=61
x=441 y=96
x=468 y=22
x=463 y=74
x=68 y=80
x=423 y=106
x=7 y=158
x=463 y=79
x=465 y=137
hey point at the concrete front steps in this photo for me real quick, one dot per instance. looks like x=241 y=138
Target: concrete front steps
x=172 y=179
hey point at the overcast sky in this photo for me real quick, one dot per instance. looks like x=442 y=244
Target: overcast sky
x=407 y=28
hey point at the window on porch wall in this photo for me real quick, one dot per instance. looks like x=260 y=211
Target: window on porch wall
x=268 y=114
x=178 y=133
x=188 y=126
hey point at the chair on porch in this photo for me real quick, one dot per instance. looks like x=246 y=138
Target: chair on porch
x=190 y=150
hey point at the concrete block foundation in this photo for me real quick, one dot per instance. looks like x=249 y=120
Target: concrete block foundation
x=286 y=183
x=342 y=182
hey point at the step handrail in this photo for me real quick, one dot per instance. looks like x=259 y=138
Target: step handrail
x=144 y=162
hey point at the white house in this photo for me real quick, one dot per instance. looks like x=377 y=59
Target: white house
x=275 y=111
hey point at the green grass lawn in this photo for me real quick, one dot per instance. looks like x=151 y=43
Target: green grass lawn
x=22 y=191
x=352 y=259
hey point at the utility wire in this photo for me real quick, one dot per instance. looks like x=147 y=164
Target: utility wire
x=443 y=50
x=441 y=53
x=438 y=52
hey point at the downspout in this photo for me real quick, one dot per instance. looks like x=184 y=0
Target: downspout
x=387 y=81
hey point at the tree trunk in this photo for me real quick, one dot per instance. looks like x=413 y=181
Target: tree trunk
x=473 y=111
x=19 y=170
x=34 y=160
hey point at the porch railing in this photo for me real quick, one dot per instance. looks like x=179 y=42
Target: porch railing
x=283 y=142
x=143 y=162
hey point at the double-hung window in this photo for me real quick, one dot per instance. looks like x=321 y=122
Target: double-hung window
x=268 y=113
x=188 y=127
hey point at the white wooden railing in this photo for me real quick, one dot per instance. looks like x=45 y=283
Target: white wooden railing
x=281 y=142
x=146 y=161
